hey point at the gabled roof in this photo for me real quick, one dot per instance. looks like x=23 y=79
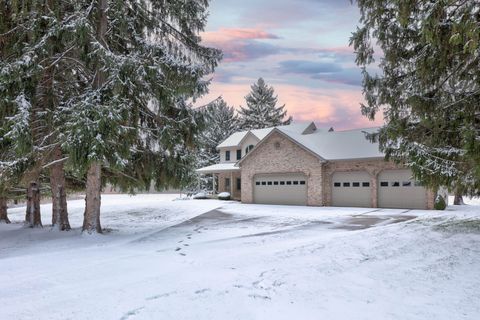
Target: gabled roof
x=236 y=139
x=331 y=145
x=338 y=145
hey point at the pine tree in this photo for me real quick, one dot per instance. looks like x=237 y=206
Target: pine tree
x=221 y=122
x=142 y=62
x=429 y=87
x=262 y=111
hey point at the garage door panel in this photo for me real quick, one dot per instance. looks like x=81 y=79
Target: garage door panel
x=286 y=189
x=351 y=189
x=397 y=189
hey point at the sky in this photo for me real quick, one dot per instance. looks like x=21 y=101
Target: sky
x=300 y=47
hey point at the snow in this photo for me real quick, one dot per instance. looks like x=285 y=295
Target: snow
x=228 y=166
x=189 y=259
x=235 y=139
x=338 y=145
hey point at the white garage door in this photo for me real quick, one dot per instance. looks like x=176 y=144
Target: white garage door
x=351 y=189
x=289 y=189
x=397 y=189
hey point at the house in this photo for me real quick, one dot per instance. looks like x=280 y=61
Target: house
x=301 y=164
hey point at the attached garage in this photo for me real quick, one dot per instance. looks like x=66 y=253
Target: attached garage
x=351 y=189
x=286 y=189
x=397 y=189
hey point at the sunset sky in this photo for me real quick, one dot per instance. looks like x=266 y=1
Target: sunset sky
x=300 y=47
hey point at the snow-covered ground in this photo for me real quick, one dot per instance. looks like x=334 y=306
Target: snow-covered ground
x=206 y=259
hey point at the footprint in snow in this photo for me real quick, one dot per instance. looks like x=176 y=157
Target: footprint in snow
x=178 y=249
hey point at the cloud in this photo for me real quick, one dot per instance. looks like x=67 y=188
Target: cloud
x=240 y=44
x=339 y=108
x=327 y=71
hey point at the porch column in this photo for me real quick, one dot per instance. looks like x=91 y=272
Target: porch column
x=231 y=183
x=213 y=183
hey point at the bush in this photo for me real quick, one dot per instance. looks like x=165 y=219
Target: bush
x=440 y=203
x=224 y=196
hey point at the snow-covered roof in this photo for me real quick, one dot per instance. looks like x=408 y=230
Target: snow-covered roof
x=219 y=167
x=337 y=145
x=235 y=139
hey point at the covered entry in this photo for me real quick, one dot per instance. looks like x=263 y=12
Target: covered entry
x=397 y=189
x=287 y=189
x=351 y=189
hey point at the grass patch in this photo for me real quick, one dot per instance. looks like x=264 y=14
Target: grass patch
x=459 y=226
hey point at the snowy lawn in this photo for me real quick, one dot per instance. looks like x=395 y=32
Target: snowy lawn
x=205 y=259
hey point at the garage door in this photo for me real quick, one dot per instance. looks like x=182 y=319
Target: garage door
x=397 y=189
x=351 y=189
x=289 y=189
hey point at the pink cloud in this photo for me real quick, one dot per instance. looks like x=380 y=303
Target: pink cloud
x=338 y=108
x=240 y=44
x=229 y=34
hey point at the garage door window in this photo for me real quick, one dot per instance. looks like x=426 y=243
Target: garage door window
x=302 y=182
x=346 y=184
x=264 y=183
x=356 y=184
x=384 y=184
x=282 y=183
x=406 y=184
x=295 y=182
x=395 y=184
x=366 y=184
x=275 y=183
x=289 y=183
x=269 y=183
x=257 y=183
x=337 y=184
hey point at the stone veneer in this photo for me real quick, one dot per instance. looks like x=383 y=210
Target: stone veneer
x=278 y=154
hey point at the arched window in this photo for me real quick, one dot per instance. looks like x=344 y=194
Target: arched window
x=249 y=148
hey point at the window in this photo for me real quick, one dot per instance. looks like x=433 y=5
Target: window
x=295 y=182
x=269 y=183
x=356 y=184
x=227 y=184
x=396 y=184
x=289 y=183
x=257 y=183
x=239 y=184
x=365 y=184
x=282 y=183
x=337 y=184
x=302 y=182
x=227 y=155
x=277 y=145
x=275 y=183
x=346 y=184
x=249 y=148
x=239 y=154
x=264 y=183
x=406 y=184
x=384 y=184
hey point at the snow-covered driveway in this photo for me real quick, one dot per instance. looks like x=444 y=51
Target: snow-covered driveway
x=166 y=259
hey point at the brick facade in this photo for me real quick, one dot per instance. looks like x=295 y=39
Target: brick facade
x=278 y=154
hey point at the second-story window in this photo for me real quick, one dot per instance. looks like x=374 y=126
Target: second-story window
x=227 y=155
x=239 y=154
x=248 y=149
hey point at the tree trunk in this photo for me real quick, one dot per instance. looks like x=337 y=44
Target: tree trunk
x=59 y=196
x=458 y=199
x=91 y=219
x=33 y=216
x=3 y=210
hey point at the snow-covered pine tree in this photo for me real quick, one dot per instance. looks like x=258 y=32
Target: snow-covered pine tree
x=34 y=84
x=261 y=110
x=429 y=87
x=220 y=122
x=142 y=61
